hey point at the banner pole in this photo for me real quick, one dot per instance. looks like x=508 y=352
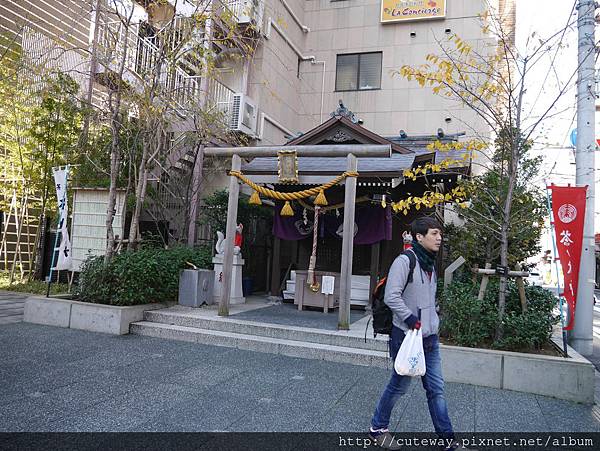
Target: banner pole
x=56 y=237
x=555 y=258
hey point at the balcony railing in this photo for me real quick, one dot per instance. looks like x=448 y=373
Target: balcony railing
x=220 y=99
x=145 y=59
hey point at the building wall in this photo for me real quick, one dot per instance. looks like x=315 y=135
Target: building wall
x=290 y=91
x=273 y=80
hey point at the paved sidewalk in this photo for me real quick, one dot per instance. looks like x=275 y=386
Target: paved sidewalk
x=11 y=306
x=57 y=379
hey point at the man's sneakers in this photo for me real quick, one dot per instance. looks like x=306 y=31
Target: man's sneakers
x=383 y=438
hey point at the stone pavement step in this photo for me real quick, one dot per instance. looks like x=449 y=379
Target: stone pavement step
x=13 y=294
x=291 y=348
x=333 y=338
x=12 y=306
x=13 y=311
x=11 y=319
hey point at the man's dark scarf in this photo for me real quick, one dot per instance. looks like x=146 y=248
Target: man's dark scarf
x=426 y=258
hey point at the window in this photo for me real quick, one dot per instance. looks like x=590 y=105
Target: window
x=358 y=72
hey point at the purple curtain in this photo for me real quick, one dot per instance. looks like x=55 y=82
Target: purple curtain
x=371 y=224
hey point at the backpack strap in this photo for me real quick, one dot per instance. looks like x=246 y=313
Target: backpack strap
x=412 y=263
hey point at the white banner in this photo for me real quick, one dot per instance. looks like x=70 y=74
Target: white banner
x=64 y=249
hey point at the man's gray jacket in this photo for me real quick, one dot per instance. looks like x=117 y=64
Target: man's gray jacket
x=418 y=297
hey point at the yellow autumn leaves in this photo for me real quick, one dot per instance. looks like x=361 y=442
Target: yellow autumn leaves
x=430 y=199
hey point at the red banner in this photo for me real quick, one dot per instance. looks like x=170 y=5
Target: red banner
x=568 y=210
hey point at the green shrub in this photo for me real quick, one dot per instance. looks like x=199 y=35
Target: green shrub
x=467 y=321
x=138 y=277
x=30 y=286
x=532 y=329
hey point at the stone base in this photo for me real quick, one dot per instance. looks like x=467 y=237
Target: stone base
x=236 y=295
x=236 y=300
x=109 y=319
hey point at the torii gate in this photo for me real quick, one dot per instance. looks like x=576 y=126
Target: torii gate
x=351 y=152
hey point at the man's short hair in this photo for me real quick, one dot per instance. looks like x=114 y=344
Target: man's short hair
x=422 y=225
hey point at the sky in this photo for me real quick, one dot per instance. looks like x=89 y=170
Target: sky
x=540 y=19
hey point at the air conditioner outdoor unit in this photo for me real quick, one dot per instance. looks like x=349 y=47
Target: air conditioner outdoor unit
x=243 y=115
x=250 y=12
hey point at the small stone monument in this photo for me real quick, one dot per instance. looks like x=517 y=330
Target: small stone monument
x=236 y=296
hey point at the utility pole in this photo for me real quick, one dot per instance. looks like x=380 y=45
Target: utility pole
x=581 y=337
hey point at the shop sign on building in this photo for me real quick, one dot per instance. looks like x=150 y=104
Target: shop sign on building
x=405 y=10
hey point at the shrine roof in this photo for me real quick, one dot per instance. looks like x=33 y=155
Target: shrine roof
x=344 y=128
x=418 y=145
x=393 y=166
x=341 y=130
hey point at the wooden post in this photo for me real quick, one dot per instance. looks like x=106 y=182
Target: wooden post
x=276 y=267
x=234 y=191
x=374 y=267
x=521 y=288
x=474 y=274
x=347 y=245
x=448 y=273
x=193 y=207
x=484 y=282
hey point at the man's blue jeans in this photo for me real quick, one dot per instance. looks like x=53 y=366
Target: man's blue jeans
x=433 y=383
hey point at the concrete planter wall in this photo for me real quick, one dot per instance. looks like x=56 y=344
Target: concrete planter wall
x=107 y=319
x=571 y=379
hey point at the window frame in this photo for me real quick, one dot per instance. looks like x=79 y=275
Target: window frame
x=359 y=54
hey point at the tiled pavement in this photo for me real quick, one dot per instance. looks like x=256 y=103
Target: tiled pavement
x=56 y=379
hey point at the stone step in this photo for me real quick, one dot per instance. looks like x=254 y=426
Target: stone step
x=362 y=302
x=252 y=328
x=359 y=291
x=291 y=348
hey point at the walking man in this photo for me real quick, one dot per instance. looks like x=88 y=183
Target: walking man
x=414 y=307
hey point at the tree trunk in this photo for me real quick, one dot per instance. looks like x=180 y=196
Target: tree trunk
x=194 y=199
x=115 y=153
x=112 y=191
x=512 y=179
x=140 y=194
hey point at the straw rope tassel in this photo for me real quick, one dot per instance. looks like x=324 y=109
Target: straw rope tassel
x=287 y=209
x=321 y=200
x=255 y=199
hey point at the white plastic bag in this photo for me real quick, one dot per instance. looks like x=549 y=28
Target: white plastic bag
x=410 y=360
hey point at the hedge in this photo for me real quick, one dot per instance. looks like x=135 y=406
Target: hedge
x=138 y=277
x=468 y=321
